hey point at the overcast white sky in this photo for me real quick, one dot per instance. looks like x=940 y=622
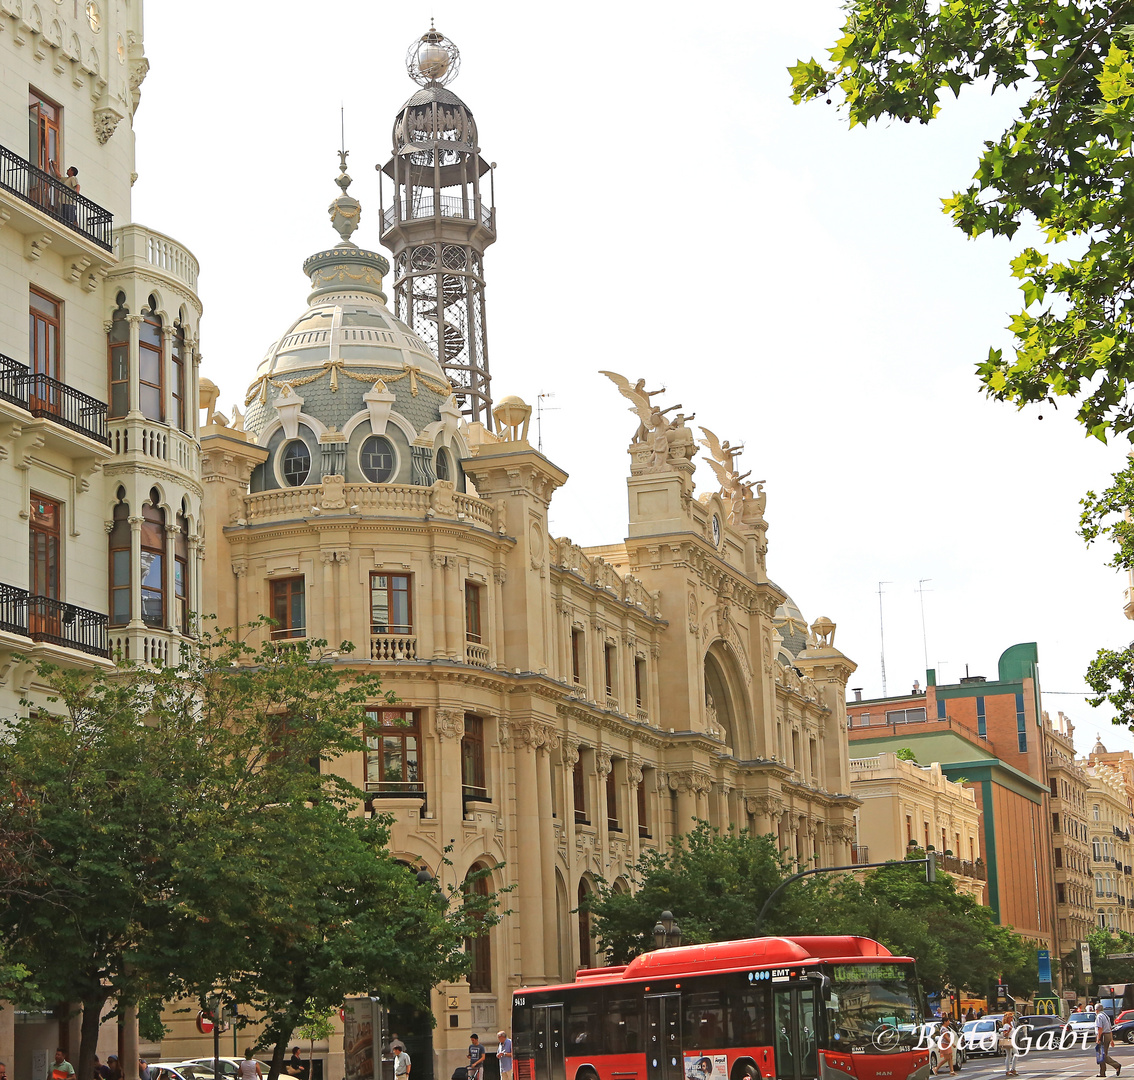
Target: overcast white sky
x=664 y=210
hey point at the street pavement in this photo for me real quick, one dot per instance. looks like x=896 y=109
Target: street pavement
x=1072 y=1062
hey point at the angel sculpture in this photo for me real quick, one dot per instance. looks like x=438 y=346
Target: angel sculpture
x=735 y=487
x=653 y=426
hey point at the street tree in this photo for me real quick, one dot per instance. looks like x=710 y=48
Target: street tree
x=1063 y=165
x=196 y=837
x=715 y=882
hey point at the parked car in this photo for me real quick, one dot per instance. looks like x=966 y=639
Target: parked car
x=1080 y=1022
x=192 y=1070
x=981 y=1037
x=229 y=1066
x=166 y=1070
x=1036 y=1025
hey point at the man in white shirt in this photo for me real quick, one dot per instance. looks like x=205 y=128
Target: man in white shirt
x=401 y=1063
x=1104 y=1039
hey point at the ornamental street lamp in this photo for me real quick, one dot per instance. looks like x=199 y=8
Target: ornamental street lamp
x=667 y=934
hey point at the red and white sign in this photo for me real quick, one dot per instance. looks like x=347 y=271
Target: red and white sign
x=205 y=1023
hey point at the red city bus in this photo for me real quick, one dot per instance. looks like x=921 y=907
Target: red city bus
x=795 y=1008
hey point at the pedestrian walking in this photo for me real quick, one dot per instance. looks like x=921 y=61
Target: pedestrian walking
x=1008 y=1043
x=946 y=1047
x=401 y=1063
x=112 y=1070
x=476 y=1058
x=249 y=1068
x=62 y=1069
x=1104 y=1040
x=504 y=1055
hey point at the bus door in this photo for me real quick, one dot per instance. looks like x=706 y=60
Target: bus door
x=663 y=1037
x=547 y=1042
x=794 y=1015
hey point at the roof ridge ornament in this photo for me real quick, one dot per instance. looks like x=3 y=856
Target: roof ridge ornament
x=433 y=60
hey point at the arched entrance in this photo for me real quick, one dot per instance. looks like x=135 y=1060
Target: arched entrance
x=726 y=701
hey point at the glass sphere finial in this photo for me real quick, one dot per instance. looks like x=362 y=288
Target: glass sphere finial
x=433 y=59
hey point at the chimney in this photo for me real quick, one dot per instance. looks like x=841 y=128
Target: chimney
x=857 y=693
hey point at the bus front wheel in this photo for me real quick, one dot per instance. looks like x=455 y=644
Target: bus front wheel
x=586 y=1073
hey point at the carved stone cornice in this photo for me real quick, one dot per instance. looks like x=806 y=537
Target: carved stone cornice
x=537 y=735
x=690 y=780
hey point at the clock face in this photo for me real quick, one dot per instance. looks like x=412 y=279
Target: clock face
x=716 y=531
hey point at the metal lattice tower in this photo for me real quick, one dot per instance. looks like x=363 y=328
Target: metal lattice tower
x=438 y=225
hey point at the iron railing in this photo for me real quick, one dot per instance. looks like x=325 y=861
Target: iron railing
x=48 y=397
x=56 y=199
x=44 y=396
x=425 y=207
x=14 y=609
x=859 y=853
x=67 y=625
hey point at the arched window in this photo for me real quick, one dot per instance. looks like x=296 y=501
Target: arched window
x=377 y=459
x=479 y=948
x=181 y=571
x=118 y=353
x=586 y=942
x=153 y=561
x=442 y=466
x=177 y=356
x=120 y=563
x=296 y=463
x=150 y=383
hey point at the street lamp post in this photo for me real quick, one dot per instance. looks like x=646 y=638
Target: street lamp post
x=667 y=934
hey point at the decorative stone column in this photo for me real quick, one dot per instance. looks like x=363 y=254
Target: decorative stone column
x=454 y=610
x=602 y=824
x=135 y=322
x=136 y=570
x=449 y=723
x=437 y=581
x=682 y=783
x=329 y=630
x=633 y=782
x=569 y=745
x=547 y=854
x=529 y=736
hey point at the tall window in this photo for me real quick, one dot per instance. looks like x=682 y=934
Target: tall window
x=1059 y=858
x=472 y=612
x=640 y=682
x=608 y=668
x=577 y=655
x=118 y=356
x=150 y=382
x=120 y=563
x=909 y=829
x=391 y=609
x=44 y=119
x=181 y=572
x=1021 y=725
x=43 y=569
x=177 y=355
x=981 y=726
x=479 y=948
x=289 y=608
x=579 y=789
x=612 y=822
x=153 y=562
x=45 y=352
x=393 y=751
x=472 y=759
x=643 y=813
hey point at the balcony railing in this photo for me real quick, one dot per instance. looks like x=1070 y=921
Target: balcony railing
x=393 y=647
x=450 y=207
x=46 y=397
x=43 y=618
x=55 y=199
x=65 y=624
x=475 y=654
x=859 y=854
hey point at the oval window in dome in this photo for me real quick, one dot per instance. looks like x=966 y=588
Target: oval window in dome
x=377 y=459
x=295 y=464
x=444 y=472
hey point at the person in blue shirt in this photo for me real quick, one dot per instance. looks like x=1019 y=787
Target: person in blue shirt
x=504 y=1055
x=476 y=1058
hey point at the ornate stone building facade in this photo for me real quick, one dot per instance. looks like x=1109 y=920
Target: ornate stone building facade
x=560 y=709
x=99 y=460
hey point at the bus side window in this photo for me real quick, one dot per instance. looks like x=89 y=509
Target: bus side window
x=583 y=1026
x=703 y=1027
x=623 y=1025
x=748 y=1017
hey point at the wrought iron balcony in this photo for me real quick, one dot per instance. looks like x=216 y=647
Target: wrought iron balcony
x=48 y=398
x=42 y=618
x=55 y=199
x=449 y=206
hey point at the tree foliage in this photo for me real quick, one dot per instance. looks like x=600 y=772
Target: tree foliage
x=192 y=837
x=1063 y=164
x=715 y=883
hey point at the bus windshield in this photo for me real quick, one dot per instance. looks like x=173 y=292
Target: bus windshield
x=874 y=1008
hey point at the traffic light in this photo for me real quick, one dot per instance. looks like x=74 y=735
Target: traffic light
x=930 y=867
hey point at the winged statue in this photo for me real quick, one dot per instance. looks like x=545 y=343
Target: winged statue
x=735 y=486
x=653 y=427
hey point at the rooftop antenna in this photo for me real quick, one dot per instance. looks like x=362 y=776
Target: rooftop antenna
x=539 y=410
x=921 y=596
x=882 y=634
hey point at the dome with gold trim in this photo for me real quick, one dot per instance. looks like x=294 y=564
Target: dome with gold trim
x=349 y=389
